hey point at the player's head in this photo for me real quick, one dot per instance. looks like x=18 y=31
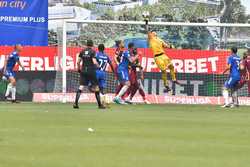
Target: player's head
x=119 y=44
x=234 y=50
x=153 y=33
x=18 y=48
x=90 y=43
x=101 y=47
x=131 y=45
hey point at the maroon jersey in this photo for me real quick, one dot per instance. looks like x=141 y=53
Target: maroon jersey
x=247 y=63
x=118 y=52
x=244 y=73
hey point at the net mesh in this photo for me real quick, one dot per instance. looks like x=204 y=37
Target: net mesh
x=199 y=56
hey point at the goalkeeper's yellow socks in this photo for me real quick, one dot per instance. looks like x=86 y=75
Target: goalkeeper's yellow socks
x=164 y=78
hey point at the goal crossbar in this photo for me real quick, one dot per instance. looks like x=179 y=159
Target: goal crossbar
x=188 y=24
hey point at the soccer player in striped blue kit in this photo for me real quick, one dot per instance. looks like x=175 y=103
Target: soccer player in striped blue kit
x=9 y=74
x=123 y=72
x=233 y=66
x=103 y=60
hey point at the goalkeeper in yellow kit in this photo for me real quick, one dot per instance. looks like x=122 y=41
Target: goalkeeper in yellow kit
x=161 y=59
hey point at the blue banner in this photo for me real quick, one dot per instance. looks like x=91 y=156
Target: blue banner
x=24 y=22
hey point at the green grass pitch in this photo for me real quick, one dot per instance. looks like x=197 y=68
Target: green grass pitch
x=53 y=135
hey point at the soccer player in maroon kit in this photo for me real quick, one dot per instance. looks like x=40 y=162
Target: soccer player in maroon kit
x=245 y=70
x=135 y=82
x=117 y=57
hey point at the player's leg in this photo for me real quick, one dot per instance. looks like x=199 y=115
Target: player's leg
x=142 y=92
x=83 y=82
x=134 y=89
x=133 y=85
x=118 y=88
x=6 y=77
x=102 y=85
x=163 y=67
x=95 y=88
x=127 y=93
x=248 y=85
x=229 y=85
x=170 y=66
x=8 y=90
x=123 y=78
x=12 y=81
x=235 y=99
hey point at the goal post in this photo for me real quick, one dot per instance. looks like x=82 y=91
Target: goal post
x=199 y=57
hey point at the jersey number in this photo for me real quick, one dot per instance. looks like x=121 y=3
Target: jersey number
x=103 y=64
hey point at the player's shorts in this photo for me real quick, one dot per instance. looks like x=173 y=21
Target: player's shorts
x=231 y=82
x=241 y=83
x=162 y=61
x=101 y=78
x=9 y=73
x=88 y=78
x=123 y=75
x=133 y=76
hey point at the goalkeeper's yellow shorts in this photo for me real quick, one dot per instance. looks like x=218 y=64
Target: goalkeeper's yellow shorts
x=162 y=61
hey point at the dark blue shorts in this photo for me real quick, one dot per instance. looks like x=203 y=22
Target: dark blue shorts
x=9 y=73
x=101 y=78
x=123 y=75
x=231 y=82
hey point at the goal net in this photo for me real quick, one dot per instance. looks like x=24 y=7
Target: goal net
x=199 y=55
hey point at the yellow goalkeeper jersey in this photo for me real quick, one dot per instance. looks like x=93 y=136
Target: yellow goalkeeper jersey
x=156 y=44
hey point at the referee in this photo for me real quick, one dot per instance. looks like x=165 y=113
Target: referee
x=87 y=71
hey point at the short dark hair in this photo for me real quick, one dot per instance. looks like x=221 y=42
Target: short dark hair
x=130 y=45
x=117 y=43
x=234 y=50
x=101 y=47
x=90 y=43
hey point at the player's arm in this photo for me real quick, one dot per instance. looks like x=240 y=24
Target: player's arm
x=229 y=62
x=20 y=64
x=166 y=45
x=141 y=71
x=111 y=65
x=5 y=64
x=94 y=60
x=116 y=58
x=132 y=59
x=227 y=69
x=79 y=62
x=244 y=67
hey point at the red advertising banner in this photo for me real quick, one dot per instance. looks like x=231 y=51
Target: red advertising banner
x=185 y=61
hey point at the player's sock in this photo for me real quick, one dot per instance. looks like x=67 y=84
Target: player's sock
x=172 y=72
x=8 y=90
x=118 y=88
x=78 y=94
x=142 y=93
x=122 y=91
x=126 y=94
x=134 y=89
x=98 y=98
x=226 y=96
x=13 y=93
x=164 y=78
x=235 y=97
